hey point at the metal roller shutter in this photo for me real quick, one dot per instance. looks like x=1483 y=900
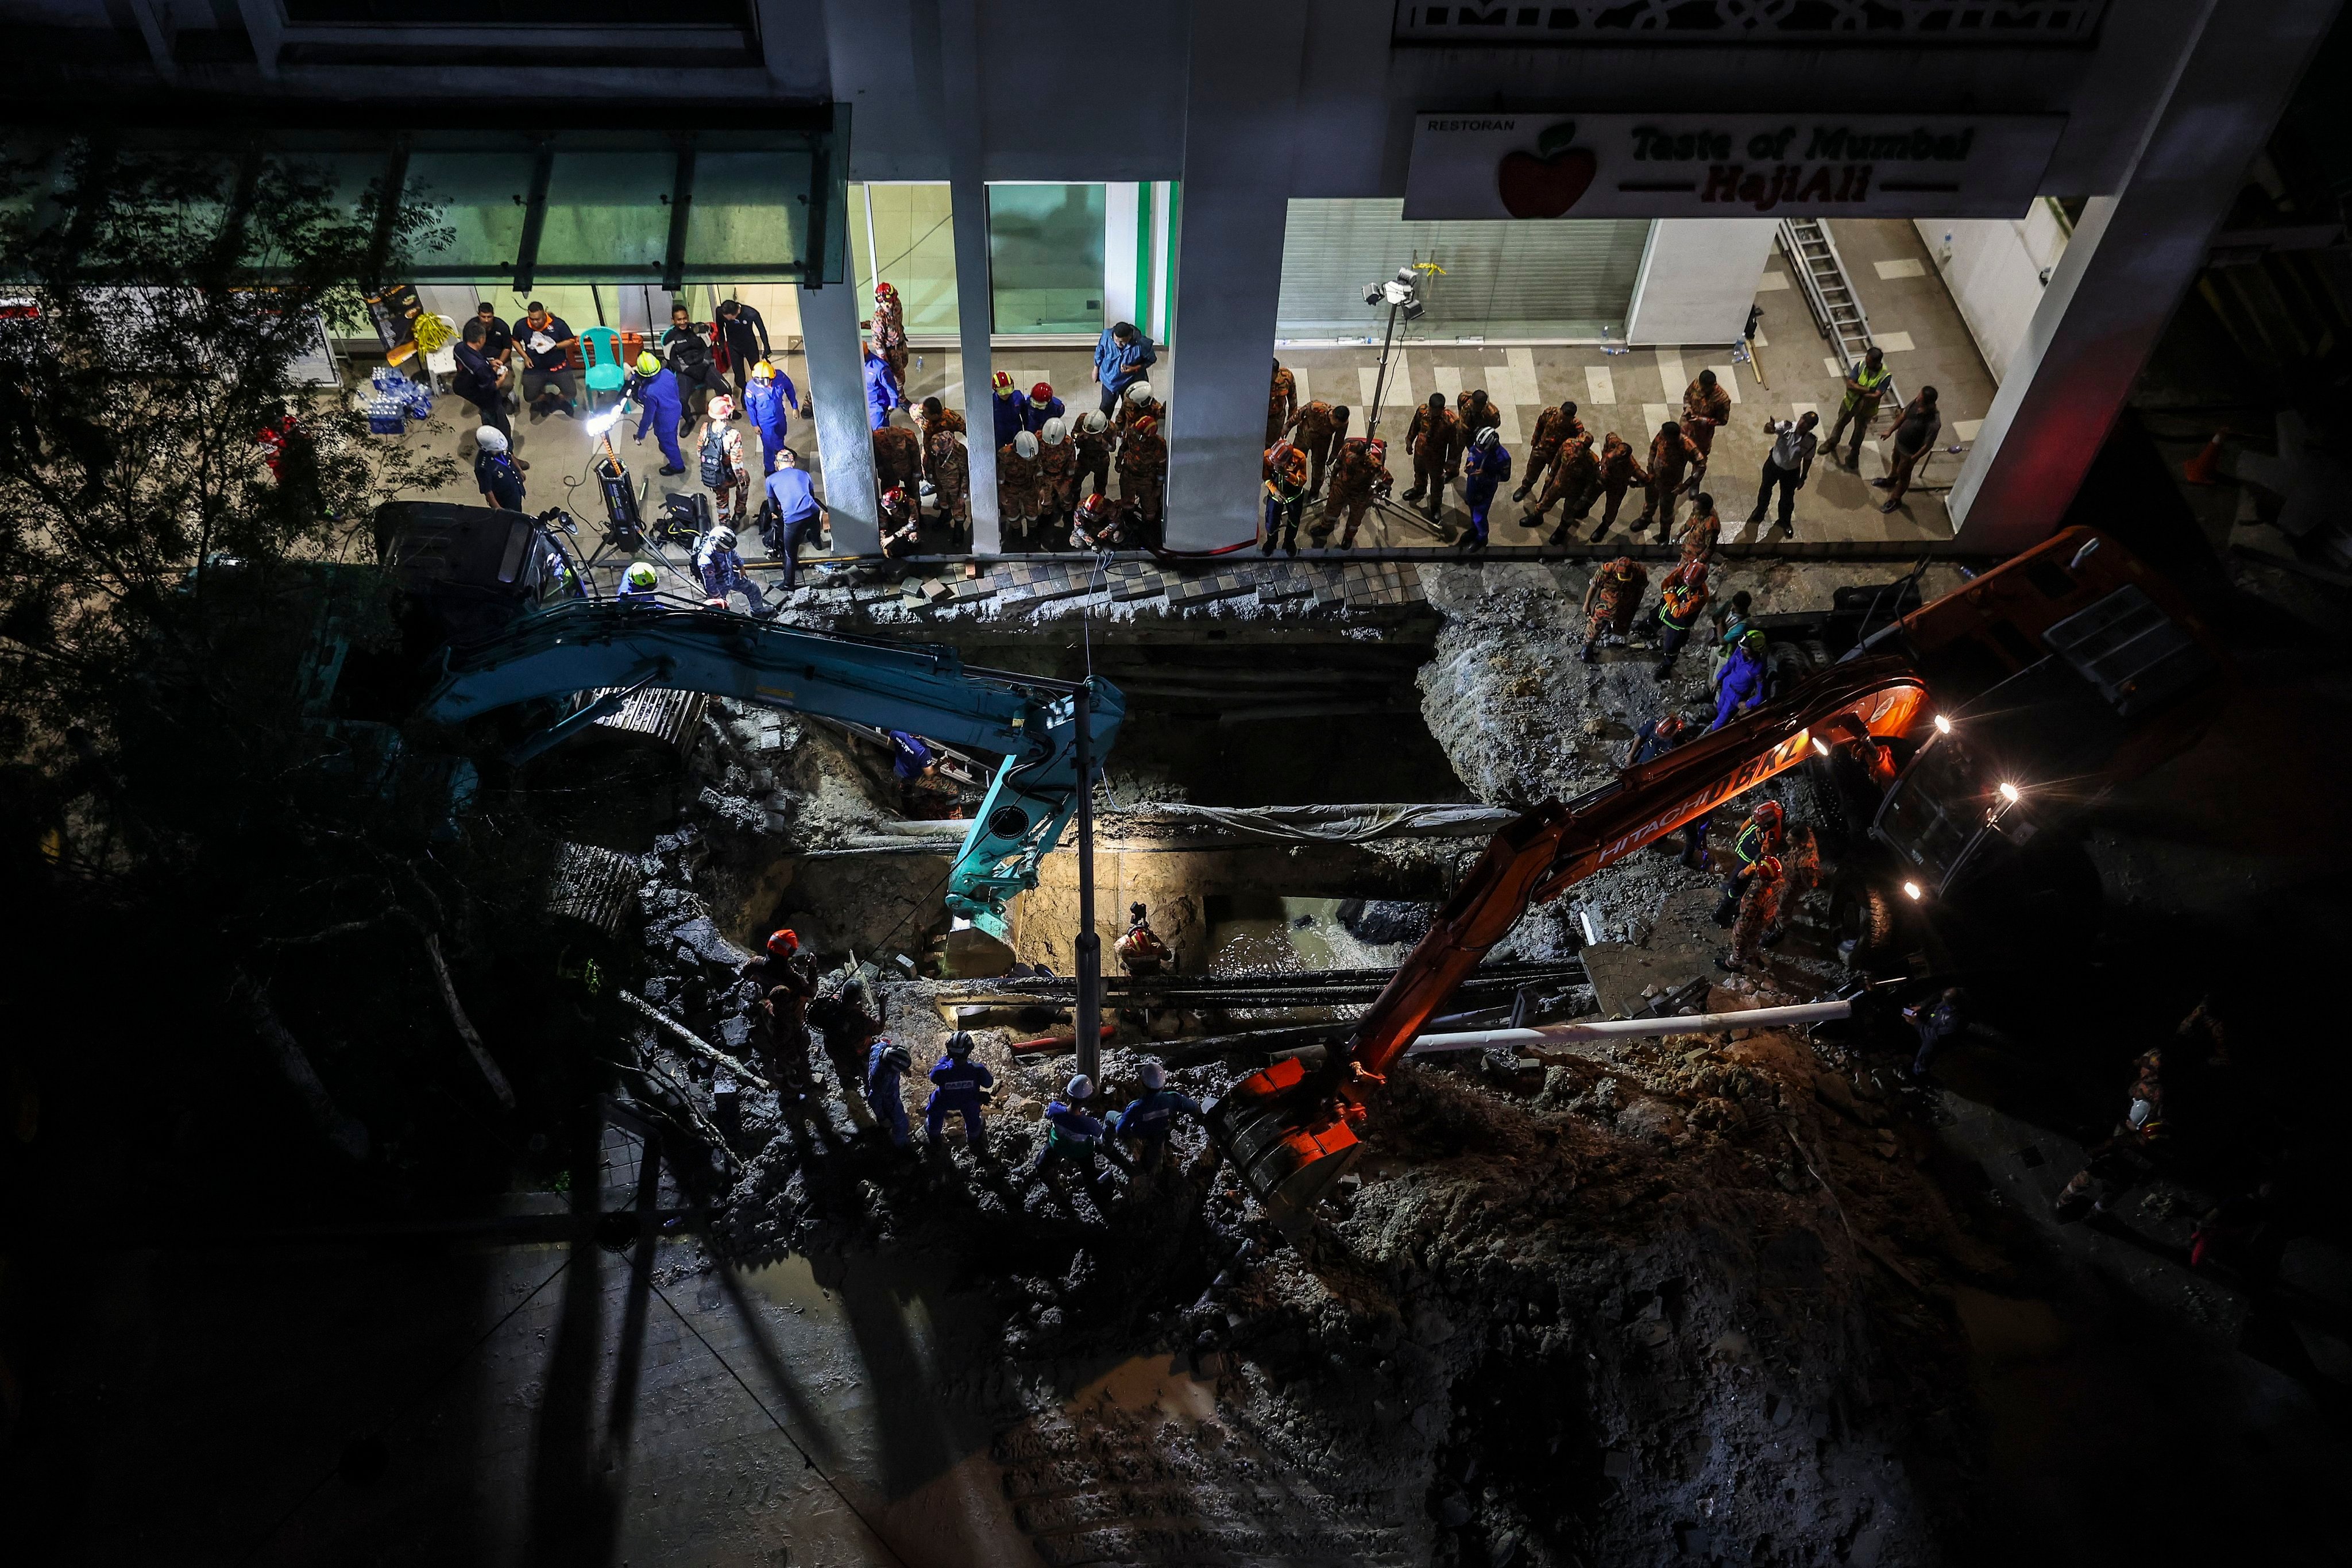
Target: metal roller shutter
x=1565 y=279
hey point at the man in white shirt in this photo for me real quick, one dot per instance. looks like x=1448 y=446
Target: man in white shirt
x=1787 y=464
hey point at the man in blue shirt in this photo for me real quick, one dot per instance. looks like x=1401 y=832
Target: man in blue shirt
x=1122 y=356
x=1152 y=1117
x=793 y=495
x=882 y=394
x=477 y=379
x=547 y=381
x=956 y=1085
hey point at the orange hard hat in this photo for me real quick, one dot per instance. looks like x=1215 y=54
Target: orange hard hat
x=784 y=941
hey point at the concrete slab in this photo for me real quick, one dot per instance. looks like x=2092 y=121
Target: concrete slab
x=1681 y=947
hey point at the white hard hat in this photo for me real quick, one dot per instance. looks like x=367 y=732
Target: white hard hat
x=1026 y=444
x=1057 y=431
x=1141 y=392
x=1079 y=1087
x=722 y=539
x=1154 y=1076
x=490 y=439
x=1098 y=421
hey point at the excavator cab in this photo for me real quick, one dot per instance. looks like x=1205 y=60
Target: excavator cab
x=2050 y=740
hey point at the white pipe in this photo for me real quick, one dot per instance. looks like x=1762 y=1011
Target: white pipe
x=1633 y=1029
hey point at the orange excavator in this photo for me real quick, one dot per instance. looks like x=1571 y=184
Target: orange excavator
x=2036 y=689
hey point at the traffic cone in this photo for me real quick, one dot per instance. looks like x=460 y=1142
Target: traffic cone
x=2205 y=467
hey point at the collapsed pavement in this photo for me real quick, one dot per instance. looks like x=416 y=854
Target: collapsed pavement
x=1594 y=1306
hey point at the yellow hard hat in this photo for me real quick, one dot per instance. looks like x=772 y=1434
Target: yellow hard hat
x=647 y=365
x=764 y=371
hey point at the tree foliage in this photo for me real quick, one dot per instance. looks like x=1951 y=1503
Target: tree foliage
x=183 y=574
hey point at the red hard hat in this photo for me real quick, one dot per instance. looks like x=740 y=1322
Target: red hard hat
x=1003 y=381
x=1145 y=426
x=1042 y=393
x=1093 y=503
x=784 y=941
x=1770 y=809
x=1770 y=865
x=1670 y=724
x=895 y=496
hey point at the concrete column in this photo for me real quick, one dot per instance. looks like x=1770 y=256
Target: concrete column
x=838 y=383
x=2132 y=258
x=1122 y=279
x=1238 y=113
x=1697 y=280
x=966 y=130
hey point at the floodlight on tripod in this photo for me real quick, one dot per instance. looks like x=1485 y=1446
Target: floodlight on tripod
x=1398 y=293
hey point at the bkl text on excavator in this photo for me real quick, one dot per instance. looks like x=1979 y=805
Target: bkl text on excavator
x=2027 y=694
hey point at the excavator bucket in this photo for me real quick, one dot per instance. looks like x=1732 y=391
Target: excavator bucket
x=1287 y=1138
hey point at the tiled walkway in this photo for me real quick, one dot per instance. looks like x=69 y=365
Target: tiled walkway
x=1627 y=390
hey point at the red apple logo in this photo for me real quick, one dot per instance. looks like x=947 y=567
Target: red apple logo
x=1549 y=181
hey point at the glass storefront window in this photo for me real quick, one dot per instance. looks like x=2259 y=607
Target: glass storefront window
x=914 y=228
x=1566 y=278
x=1045 y=258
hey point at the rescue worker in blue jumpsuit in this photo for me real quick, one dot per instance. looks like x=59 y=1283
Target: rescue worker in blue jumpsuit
x=657 y=389
x=1655 y=738
x=886 y=1064
x=956 y=1084
x=721 y=571
x=637 y=584
x=494 y=469
x=1072 y=1137
x=1762 y=833
x=1739 y=686
x=1040 y=405
x=768 y=397
x=882 y=394
x=1489 y=465
x=1006 y=406
x=1152 y=1117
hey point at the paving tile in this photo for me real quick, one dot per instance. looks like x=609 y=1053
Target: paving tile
x=1136 y=588
x=1274 y=590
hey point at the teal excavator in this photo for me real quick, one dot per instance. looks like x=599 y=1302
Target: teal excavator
x=503 y=593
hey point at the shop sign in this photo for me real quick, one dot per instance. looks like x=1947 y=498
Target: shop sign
x=1713 y=165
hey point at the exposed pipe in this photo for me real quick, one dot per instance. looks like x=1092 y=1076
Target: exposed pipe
x=1633 y=1029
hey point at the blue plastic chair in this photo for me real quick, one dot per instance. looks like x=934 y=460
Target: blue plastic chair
x=606 y=372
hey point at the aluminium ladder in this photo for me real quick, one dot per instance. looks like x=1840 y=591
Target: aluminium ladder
x=1820 y=273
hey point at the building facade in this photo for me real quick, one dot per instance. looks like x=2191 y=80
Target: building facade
x=1227 y=174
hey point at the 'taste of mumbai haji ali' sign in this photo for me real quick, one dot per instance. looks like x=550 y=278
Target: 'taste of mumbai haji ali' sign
x=1746 y=165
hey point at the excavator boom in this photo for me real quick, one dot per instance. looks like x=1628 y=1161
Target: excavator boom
x=2076 y=615
x=927 y=690
x=1289 y=1159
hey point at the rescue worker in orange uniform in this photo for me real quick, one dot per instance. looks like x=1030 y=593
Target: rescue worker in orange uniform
x=1619 y=470
x=1359 y=474
x=1281 y=404
x=1057 y=473
x=1319 y=428
x=1575 y=482
x=898 y=457
x=1672 y=454
x=1285 y=497
x=1706 y=407
x=1701 y=535
x=1434 y=441
x=1477 y=412
x=1554 y=427
x=1093 y=440
x=1016 y=483
x=1609 y=600
x=1681 y=596
x=1758 y=922
x=1142 y=469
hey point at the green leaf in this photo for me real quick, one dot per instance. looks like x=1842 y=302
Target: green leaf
x=1556 y=139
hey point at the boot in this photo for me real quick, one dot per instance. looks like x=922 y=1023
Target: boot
x=1519 y=494
x=1560 y=537
x=1588 y=656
